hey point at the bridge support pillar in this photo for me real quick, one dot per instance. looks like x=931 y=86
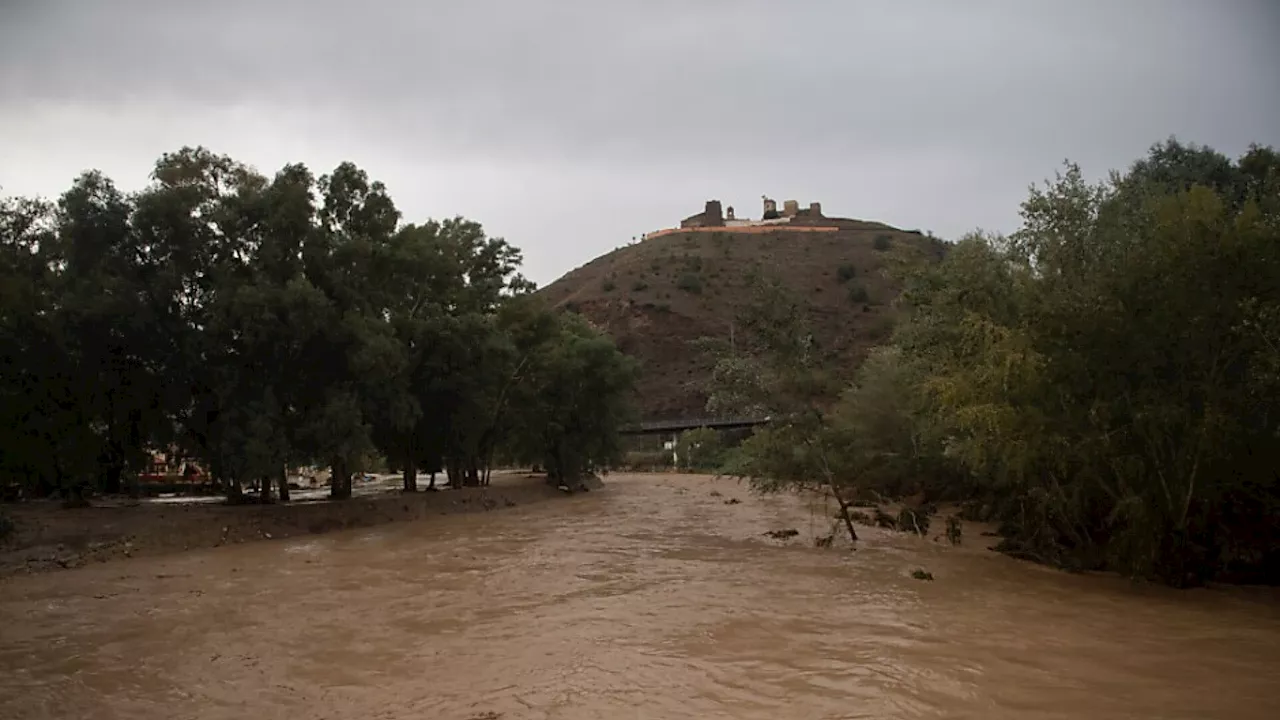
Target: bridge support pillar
x=671 y=445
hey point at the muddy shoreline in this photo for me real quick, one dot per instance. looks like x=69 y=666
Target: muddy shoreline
x=48 y=537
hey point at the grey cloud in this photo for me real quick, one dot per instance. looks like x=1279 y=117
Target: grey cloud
x=928 y=113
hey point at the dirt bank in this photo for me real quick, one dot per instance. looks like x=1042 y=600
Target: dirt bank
x=48 y=537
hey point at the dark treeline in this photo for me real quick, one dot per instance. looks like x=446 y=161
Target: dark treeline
x=258 y=323
x=1104 y=384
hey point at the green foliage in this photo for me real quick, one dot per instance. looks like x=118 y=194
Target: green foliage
x=1103 y=382
x=883 y=242
x=1103 y=375
x=700 y=449
x=912 y=521
x=647 y=461
x=609 y=284
x=954 y=529
x=846 y=272
x=575 y=398
x=639 y=286
x=252 y=323
x=690 y=282
x=858 y=294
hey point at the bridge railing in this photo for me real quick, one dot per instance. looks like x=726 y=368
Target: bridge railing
x=663 y=426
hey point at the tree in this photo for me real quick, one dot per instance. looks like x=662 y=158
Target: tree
x=259 y=323
x=783 y=375
x=568 y=414
x=700 y=449
x=1102 y=374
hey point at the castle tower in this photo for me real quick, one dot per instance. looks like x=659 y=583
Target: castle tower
x=790 y=208
x=770 y=207
x=728 y=213
x=713 y=216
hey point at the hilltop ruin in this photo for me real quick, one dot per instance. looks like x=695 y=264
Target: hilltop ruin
x=712 y=216
x=792 y=217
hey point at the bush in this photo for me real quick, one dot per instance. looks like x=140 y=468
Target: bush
x=858 y=294
x=7 y=526
x=690 y=283
x=647 y=461
x=609 y=284
x=913 y=521
x=845 y=273
x=639 y=285
x=700 y=449
x=882 y=242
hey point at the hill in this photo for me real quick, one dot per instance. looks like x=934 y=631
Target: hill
x=658 y=295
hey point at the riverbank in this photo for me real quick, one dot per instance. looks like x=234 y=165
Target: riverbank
x=49 y=537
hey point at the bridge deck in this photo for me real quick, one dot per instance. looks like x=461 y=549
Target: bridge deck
x=663 y=427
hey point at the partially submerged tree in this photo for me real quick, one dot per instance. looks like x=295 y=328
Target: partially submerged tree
x=1104 y=375
x=800 y=449
x=1103 y=383
x=568 y=413
x=260 y=323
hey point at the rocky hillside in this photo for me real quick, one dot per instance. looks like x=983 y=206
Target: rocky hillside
x=657 y=295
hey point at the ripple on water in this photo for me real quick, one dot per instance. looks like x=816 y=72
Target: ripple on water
x=653 y=599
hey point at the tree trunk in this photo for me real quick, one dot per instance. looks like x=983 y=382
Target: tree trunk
x=411 y=474
x=432 y=484
x=235 y=494
x=264 y=490
x=75 y=496
x=133 y=487
x=111 y=478
x=844 y=511
x=284 y=483
x=473 y=474
x=339 y=480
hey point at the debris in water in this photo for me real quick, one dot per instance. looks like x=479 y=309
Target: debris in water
x=733 y=501
x=824 y=541
x=857 y=516
x=921 y=574
x=783 y=534
x=885 y=520
x=715 y=493
x=913 y=521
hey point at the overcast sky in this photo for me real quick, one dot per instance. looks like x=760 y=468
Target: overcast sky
x=569 y=126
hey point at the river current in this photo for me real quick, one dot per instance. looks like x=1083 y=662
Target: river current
x=655 y=598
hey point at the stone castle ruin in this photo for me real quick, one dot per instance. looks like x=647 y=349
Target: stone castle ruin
x=713 y=215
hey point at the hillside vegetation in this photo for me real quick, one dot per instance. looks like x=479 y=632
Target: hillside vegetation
x=657 y=297
x=1103 y=383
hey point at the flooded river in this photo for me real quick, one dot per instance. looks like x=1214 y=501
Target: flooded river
x=653 y=599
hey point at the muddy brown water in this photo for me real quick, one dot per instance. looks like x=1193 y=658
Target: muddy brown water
x=652 y=599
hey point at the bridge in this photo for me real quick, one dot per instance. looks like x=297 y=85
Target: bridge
x=672 y=427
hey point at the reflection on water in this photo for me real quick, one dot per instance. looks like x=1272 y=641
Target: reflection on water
x=651 y=600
